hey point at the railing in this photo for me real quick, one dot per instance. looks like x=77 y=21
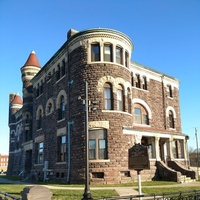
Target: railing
x=6 y=196
x=182 y=195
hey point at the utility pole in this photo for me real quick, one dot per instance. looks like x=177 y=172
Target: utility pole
x=197 y=151
x=87 y=195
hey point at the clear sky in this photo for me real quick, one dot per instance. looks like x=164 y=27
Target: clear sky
x=165 y=33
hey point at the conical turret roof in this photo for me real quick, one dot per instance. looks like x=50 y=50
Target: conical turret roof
x=17 y=100
x=32 y=60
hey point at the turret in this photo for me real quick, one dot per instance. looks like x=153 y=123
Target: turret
x=28 y=71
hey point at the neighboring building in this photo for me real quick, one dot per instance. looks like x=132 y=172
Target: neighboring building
x=135 y=104
x=3 y=163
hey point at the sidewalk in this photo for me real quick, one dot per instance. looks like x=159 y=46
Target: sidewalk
x=122 y=191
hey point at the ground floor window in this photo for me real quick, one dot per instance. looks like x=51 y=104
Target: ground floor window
x=39 y=153
x=98 y=144
x=62 y=148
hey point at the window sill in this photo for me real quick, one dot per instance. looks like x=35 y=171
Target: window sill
x=39 y=129
x=142 y=125
x=140 y=89
x=35 y=165
x=117 y=111
x=111 y=62
x=60 y=78
x=61 y=120
x=97 y=161
x=60 y=163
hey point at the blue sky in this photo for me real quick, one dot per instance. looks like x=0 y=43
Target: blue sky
x=165 y=33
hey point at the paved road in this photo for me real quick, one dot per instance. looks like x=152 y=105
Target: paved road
x=122 y=191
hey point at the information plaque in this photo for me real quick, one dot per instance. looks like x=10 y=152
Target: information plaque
x=139 y=157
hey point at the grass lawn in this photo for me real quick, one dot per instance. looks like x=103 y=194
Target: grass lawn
x=74 y=194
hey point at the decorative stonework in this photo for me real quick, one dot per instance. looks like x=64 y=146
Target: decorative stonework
x=99 y=124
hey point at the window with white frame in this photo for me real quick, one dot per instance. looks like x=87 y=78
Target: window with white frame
x=39 y=153
x=98 y=144
x=120 y=98
x=95 y=52
x=140 y=115
x=108 y=52
x=108 y=97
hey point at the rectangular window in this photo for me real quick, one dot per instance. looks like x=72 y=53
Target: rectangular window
x=62 y=148
x=108 y=53
x=39 y=153
x=119 y=55
x=98 y=144
x=92 y=147
x=95 y=52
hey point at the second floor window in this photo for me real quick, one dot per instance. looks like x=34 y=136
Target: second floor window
x=140 y=115
x=171 y=119
x=61 y=109
x=95 y=52
x=120 y=98
x=39 y=120
x=108 y=96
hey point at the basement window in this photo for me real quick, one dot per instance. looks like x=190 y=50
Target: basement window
x=97 y=174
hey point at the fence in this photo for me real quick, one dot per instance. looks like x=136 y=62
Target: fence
x=6 y=196
x=182 y=195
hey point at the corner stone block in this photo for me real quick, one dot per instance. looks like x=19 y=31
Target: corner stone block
x=36 y=193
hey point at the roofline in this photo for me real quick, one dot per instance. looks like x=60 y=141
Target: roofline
x=95 y=30
x=156 y=71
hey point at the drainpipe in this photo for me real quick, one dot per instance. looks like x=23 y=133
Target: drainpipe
x=70 y=122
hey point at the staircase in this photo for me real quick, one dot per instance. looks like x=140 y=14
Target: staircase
x=175 y=172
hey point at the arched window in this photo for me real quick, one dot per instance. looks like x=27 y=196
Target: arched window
x=61 y=109
x=171 y=119
x=108 y=53
x=140 y=115
x=39 y=120
x=95 y=52
x=108 y=98
x=129 y=100
x=120 y=98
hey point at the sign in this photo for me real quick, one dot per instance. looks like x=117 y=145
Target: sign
x=138 y=157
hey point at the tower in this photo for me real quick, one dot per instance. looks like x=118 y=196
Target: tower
x=28 y=71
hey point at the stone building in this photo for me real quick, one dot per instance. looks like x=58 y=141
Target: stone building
x=129 y=103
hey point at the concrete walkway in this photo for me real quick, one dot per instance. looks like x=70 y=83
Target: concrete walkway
x=122 y=191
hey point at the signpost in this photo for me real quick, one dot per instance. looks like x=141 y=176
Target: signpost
x=139 y=160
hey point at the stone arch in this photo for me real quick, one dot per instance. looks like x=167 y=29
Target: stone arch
x=103 y=80
x=61 y=93
x=143 y=103
x=173 y=111
x=50 y=101
x=38 y=112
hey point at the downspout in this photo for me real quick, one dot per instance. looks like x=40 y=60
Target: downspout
x=70 y=122
x=164 y=108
